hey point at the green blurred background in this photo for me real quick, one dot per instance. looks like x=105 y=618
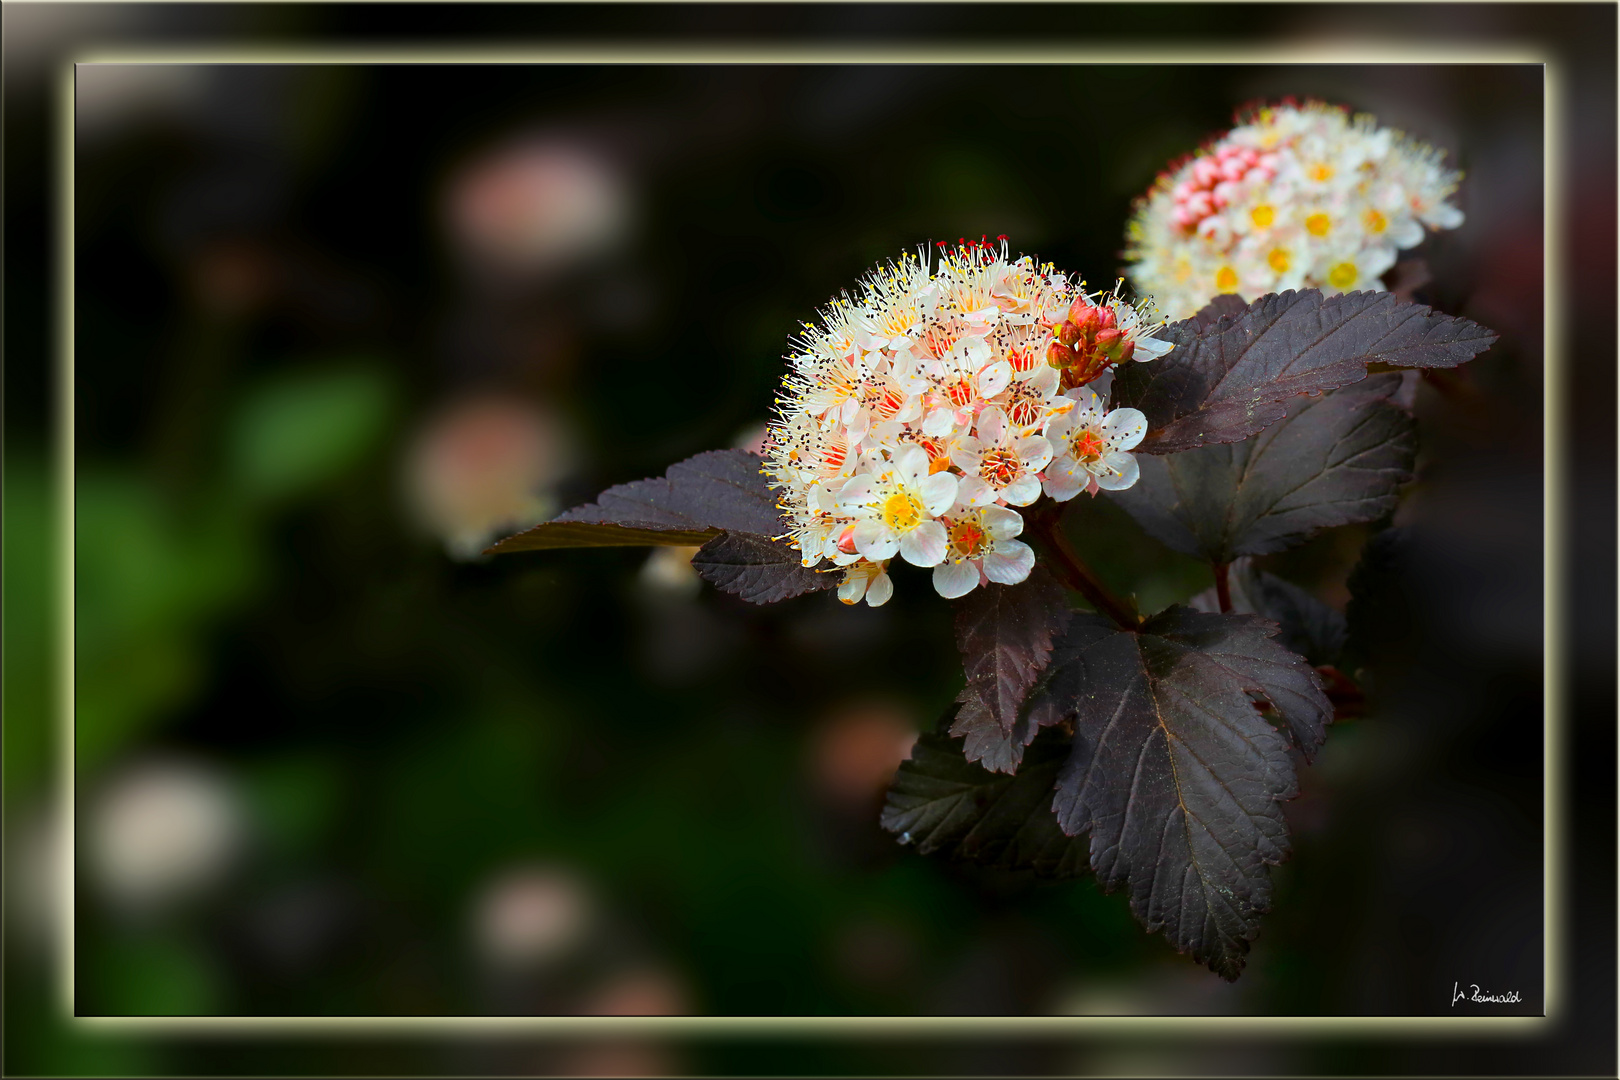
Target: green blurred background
x=336 y=325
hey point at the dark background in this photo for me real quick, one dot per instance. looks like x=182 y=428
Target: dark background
x=271 y=305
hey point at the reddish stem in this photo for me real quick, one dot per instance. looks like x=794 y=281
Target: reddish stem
x=1223 y=588
x=1347 y=698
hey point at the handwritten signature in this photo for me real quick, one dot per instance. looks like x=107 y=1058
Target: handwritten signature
x=1457 y=995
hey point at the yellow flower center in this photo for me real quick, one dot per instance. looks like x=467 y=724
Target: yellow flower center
x=1025 y=409
x=1000 y=467
x=902 y=511
x=1318 y=224
x=1321 y=172
x=1376 y=222
x=1226 y=280
x=1343 y=275
x=1278 y=260
x=967 y=538
x=1263 y=215
x=1088 y=446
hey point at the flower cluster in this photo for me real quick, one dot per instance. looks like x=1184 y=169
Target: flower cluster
x=916 y=416
x=1296 y=196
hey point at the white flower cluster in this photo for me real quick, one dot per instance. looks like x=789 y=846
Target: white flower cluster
x=1296 y=196
x=916 y=416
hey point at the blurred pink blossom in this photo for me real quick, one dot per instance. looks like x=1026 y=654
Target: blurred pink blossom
x=530 y=915
x=537 y=206
x=484 y=467
x=640 y=992
x=855 y=751
x=162 y=832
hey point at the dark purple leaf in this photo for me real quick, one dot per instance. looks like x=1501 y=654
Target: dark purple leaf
x=941 y=802
x=1226 y=381
x=1335 y=460
x=758 y=569
x=1175 y=773
x=696 y=500
x=576 y=534
x=984 y=739
x=1308 y=626
x=1005 y=634
x=1223 y=305
x=1381 y=624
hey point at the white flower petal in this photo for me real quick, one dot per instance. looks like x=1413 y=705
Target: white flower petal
x=875 y=540
x=1059 y=426
x=973 y=491
x=976 y=350
x=1119 y=472
x=1035 y=452
x=1444 y=216
x=1009 y=563
x=1022 y=491
x=1085 y=400
x=856 y=492
x=953 y=579
x=1148 y=348
x=924 y=545
x=967 y=454
x=912 y=464
x=1064 y=479
x=939 y=421
x=1044 y=380
x=994 y=379
x=992 y=425
x=938 y=492
x=1001 y=523
x=1374 y=261
x=1122 y=429
x=853 y=587
x=878 y=593
x=1101 y=386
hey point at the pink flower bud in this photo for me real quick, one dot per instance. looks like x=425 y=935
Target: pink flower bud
x=1181 y=191
x=1059 y=355
x=1205 y=172
x=1257 y=176
x=1081 y=313
x=1232 y=169
x=1227 y=192
x=846 y=540
x=1105 y=320
x=1067 y=332
x=1269 y=162
x=1110 y=343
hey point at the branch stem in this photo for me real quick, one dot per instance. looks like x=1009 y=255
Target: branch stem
x=1047 y=524
x=1223 y=588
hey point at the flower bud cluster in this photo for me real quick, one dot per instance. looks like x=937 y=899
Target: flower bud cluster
x=916 y=417
x=1295 y=196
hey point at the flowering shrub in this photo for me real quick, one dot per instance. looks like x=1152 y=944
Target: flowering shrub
x=952 y=413
x=916 y=415
x=1295 y=196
